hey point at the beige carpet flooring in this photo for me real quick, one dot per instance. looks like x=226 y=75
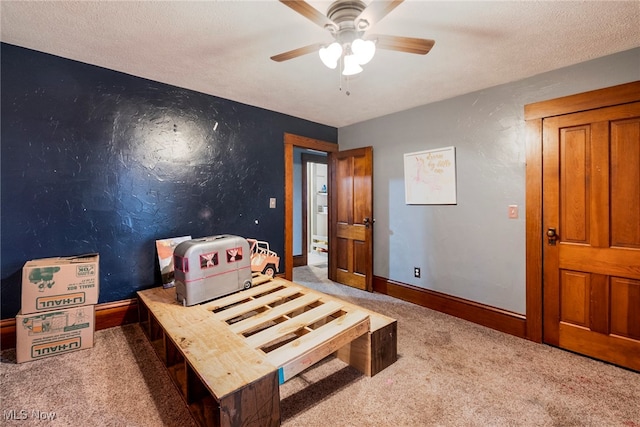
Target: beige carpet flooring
x=449 y=373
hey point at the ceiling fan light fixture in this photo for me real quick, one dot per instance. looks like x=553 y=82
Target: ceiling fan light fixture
x=331 y=54
x=363 y=50
x=351 y=66
x=347 y=21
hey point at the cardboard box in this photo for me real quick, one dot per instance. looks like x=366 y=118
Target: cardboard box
x=50 y=333
x=55 y=283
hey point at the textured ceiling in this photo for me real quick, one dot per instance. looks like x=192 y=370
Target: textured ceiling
x=222 y=48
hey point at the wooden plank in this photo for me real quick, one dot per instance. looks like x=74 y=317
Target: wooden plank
x=619 y=350
x=599 y=304
x=298 y=355
x=599 y=176
x=352 y=231
x=240 y=296
x=352 y=279
x=533 y=204
x=259 y=279
x=257 y=405
x=254 y=304
x=624 y=93
x=377 y=320
x=371 y=353
x=625 y=316
x=625 y=182
x=273 y=313
x=614 y=261
x=292 y=325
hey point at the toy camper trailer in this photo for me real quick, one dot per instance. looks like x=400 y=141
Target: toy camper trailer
x=210 y=267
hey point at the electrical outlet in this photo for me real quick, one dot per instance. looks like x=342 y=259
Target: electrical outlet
x=416 y=272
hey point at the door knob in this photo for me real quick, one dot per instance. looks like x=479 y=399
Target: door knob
x=552 y=236
x=367 y=222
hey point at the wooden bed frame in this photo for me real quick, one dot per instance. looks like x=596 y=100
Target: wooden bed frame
x=228 y=357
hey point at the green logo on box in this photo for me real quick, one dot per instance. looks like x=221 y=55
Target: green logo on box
x=85 y=270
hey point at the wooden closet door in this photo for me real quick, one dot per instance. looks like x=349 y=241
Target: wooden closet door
x=351 y=218
x=591 y=214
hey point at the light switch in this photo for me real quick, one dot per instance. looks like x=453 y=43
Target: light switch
x=272 y=203
x=513 y=211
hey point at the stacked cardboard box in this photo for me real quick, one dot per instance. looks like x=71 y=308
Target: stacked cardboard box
x=58 y=306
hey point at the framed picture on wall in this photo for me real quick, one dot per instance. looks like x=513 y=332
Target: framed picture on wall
x=165 y=248
x=430 y=177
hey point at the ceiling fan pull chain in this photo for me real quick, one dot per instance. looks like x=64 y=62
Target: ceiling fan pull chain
x=340 y=77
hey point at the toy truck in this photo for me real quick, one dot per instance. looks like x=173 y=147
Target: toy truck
x=263 y=260
x=210 y=267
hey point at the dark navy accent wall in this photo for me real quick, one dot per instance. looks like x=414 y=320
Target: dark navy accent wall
x=93 y=160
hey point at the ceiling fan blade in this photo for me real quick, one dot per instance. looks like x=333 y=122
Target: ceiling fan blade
x=297 y=52
x=312 y=14
x=374 y=13
x=402 y=44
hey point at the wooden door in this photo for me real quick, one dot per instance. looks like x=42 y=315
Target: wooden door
x=351 y=218
x=591 y=218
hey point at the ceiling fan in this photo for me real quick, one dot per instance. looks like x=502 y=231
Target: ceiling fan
x=348 y=21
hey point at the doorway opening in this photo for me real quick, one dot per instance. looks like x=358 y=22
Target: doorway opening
x=295 y=146
x=314 y=204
